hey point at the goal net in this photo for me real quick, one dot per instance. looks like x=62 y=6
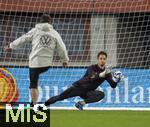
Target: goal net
x=119 y=27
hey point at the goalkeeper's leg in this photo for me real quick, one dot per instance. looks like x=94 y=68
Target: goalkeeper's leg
x=91 y=97
x=94 y=96
x=68 y=93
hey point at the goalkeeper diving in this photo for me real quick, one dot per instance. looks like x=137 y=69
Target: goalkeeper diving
x=86 y=87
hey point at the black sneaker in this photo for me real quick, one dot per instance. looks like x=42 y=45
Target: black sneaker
x=79 y=106
x=40 y=108
x=31 y=104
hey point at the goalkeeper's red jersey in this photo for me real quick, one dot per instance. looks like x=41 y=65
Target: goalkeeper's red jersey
x=91 y=79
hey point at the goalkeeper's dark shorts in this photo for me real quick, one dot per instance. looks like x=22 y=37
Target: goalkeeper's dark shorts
x=34 y=75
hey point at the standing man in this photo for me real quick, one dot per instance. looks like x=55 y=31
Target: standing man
x=86 y=86
x=45 y=40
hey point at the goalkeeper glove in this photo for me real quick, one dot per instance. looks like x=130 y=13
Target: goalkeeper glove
x=117 y=76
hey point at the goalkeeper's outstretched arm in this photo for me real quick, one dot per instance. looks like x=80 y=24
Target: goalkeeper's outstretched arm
x=114 y=78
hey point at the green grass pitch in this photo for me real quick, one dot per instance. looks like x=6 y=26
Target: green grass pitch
x=74 y=118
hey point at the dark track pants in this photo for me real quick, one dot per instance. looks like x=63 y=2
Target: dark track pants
x=73 y=91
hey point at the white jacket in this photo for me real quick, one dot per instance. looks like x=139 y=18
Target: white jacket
x=45 y=40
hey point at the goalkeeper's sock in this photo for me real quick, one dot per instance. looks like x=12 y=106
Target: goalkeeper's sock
x=82 y=102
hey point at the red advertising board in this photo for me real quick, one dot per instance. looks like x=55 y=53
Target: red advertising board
x=102 y=6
